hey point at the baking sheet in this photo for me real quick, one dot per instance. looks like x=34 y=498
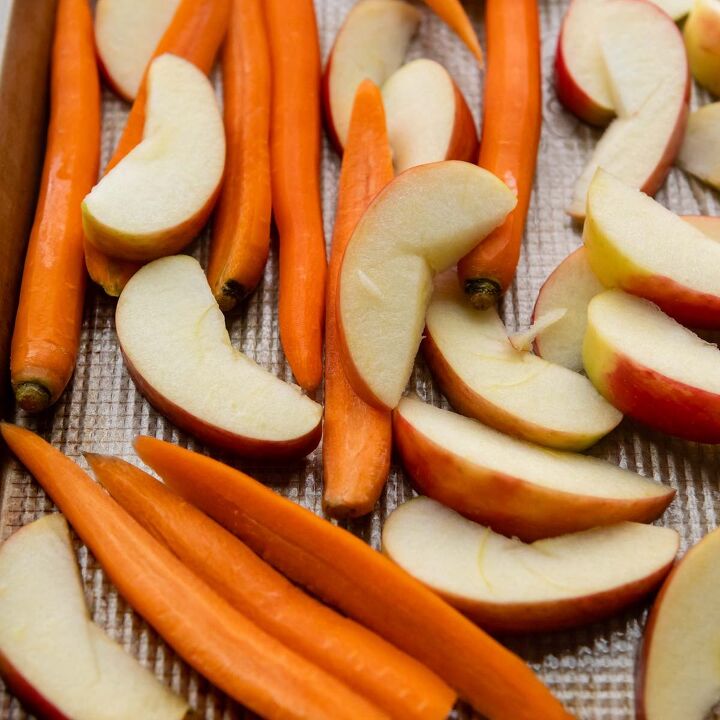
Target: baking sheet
x=590 y=670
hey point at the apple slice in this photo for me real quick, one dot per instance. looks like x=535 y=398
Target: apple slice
x=700 y=152
x=371 y=43
x=155 y=200
x=423 y=222
x=513 y=486
x=702 y=39
x=508 y=586
x=486 y=378
x=52 y=656
x=676 y=9
x=177 y=349
x=677 y=669
x=126 y=35
x=427 y=116
x=652 y=368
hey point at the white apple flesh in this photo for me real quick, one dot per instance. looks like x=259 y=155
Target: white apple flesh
x=700 y=152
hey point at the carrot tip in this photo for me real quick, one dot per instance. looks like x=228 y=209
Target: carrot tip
x=32 y=397
x=483 y=292
x=231 y=295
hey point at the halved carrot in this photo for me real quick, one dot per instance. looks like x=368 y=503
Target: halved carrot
x=347 y=573
x=241 y=231
x=295 y=172
x=453 y=13
x=195 y=33
x=357 y=436
x=369 y=665
x=47 y=327
x=220 y=643
x=510 y=137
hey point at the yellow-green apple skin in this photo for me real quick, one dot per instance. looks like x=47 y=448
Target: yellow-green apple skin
x=702 y=39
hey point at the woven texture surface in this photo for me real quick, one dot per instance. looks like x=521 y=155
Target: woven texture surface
x=590 y=670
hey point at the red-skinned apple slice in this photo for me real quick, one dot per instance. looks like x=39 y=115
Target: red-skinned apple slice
x=173 y=336
x=652 y=368
x=515 y=487
x=371 y=43
x=126 y=35
x=700 y=152
x=508 y=586
x=486 y=378
x=52 y=656
x=702 y=39
x=422 y=223
x=428 y=118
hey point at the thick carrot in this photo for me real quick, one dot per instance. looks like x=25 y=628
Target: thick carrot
x=367 y=586
x=241 y=231
x=369 y=665
x=511 y=133
x=453 y=13
x=219 y=642
x=295 y=172
x=357 y=436
x=195 y=33
x=47 y=327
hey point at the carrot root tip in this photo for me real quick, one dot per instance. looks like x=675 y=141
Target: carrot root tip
x=32 y=397
x=483 y=292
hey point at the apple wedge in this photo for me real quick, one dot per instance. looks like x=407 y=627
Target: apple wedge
x=427 y=116
x=52 y=656
x=177 y=349
x=155 y=200
x=677 y=668
x=702 y=39
x=422 y=223
x=371 y=43
x=676 y=9
x=700 y=152
x=486 y=378
x=513 y=486
x=508 y=586
x=126 y=35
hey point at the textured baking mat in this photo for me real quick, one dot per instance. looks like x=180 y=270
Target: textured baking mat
x=590 y=670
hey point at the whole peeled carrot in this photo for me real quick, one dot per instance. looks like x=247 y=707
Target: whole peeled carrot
x=342 y=570
x=453 y=13
x=357 y=436
x=373 y=668
x=47 y=327
x=241 y=232
x=295 y=172
x=511 y=133
x=219 y=642
x=195 y=34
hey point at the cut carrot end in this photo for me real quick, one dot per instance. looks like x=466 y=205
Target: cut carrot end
x=32 y=397
x=231 y=295
x=482 y=292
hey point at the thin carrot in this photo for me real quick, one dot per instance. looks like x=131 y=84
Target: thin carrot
x=219 y=642
x=511 y=133
x=47 y=327
x=369 y=665
x=241 y=232
x=195 y=33
x=357 y=442
x=367 y=586
x=295 y=172
x=453 y=13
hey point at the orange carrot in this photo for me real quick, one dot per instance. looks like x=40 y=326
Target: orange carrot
x=511 y=133
x=195 y=33
x=356 y=448
x=453 y=13
x=47 y=328
x=367 y=586
x=370 y=666
x=241 y=232
x=219 y=642
x=294 y=167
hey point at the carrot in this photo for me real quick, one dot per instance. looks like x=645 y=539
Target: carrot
x=342 y=570
x=511 y=133
x=241 y=232
x=195 y=33
x=219 y=642
x=47 y=327
x=453 y=13
x=356 y=448
x=370 y=666
x=294 y=168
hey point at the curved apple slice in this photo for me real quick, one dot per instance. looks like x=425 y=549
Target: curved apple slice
x=173 y=336
x=427 y=116
x=518 y=393
x=126 y=35
x=700 y=152
x=506 y=585
x=423 y=222
x=513 y=486
x=155 y=200
x=702 y=30
x=676 y=9
x=371 y=43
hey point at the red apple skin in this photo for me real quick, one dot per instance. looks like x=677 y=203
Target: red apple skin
x=509 y=505
x=325 y=94
x=463 y=144
x=108 y=80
